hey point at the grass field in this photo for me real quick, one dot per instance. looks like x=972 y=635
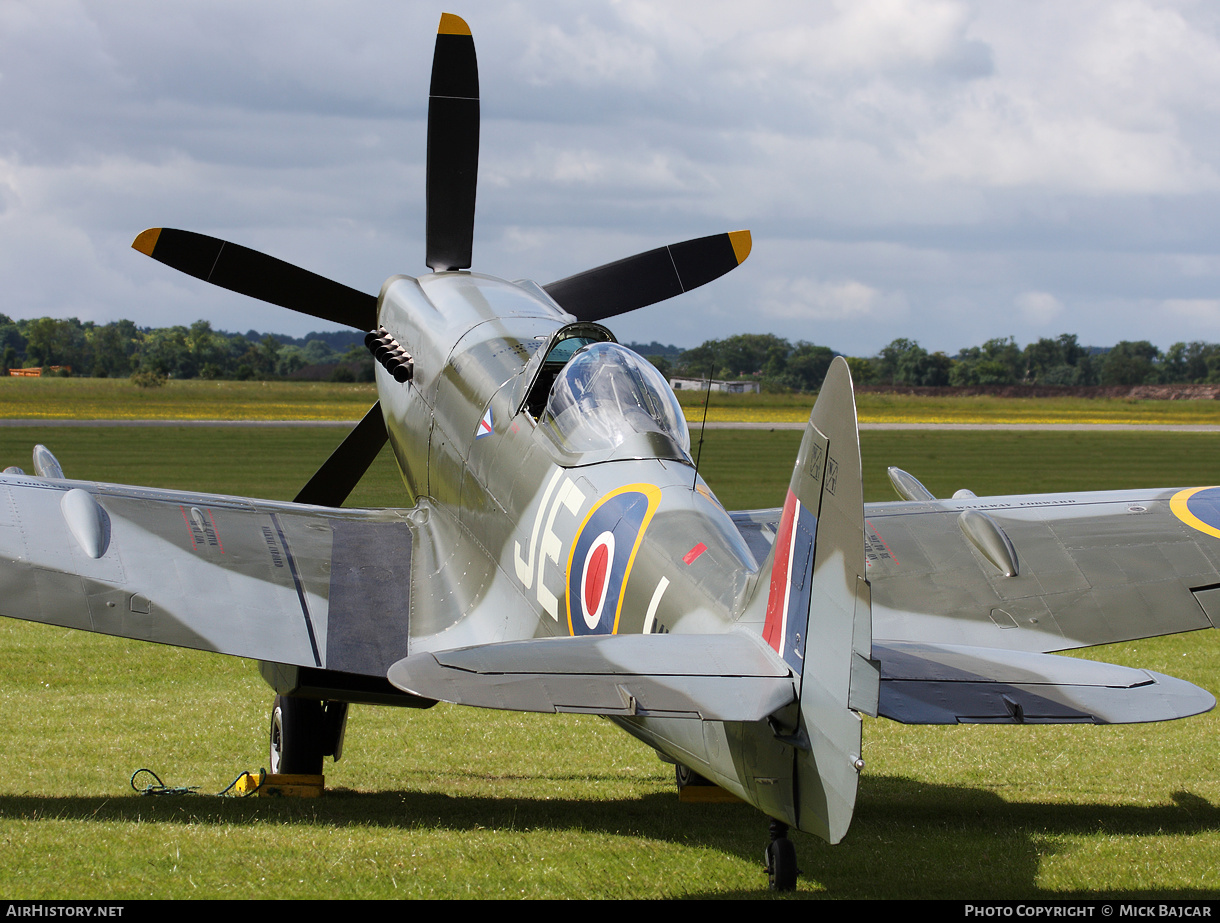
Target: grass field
x=118 y=399
x=454 y=802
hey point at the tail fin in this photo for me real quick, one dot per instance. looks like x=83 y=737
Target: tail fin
x=819 y=616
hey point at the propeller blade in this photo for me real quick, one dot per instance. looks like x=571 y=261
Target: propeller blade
x=453 y=146
x=339 y=474
x=240 y=269
x=647 y=278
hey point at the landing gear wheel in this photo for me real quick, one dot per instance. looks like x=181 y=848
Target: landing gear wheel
x=296 y=736
x=334 y=728
x=781 y=859
x=685 y=776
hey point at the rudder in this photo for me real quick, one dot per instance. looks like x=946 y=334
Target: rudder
x=819 y=616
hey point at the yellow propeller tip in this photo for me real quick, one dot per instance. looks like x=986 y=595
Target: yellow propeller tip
x=452 y=25
x=741 y=245
x=146 y=241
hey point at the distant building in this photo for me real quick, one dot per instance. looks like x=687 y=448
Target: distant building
x=703 y=384
x=37 y=371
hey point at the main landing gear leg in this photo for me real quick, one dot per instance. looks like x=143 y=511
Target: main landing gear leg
x=781 y=859
x=302 y=732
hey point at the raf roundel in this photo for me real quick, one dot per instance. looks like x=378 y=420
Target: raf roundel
x=602 y=555
x=595 y=578
x=1199 y=508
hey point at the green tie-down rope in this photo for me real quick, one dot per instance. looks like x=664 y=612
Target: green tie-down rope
x=160 y=788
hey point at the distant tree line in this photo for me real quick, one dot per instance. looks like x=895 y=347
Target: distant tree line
x=121 y=349
x=782 y=365
x=778 y=363
x=1059 y=361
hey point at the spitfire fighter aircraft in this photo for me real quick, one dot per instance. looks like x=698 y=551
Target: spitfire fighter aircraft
x=561 y=553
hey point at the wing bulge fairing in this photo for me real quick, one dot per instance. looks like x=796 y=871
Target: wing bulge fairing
x=990 y=539
x=86 y=520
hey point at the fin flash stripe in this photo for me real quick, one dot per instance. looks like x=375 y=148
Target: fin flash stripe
x=787 y=618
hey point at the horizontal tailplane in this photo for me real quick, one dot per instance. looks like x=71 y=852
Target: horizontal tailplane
x=722 y=677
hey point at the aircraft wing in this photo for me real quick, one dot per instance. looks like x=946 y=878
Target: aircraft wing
x=329 y=589
x=1086 y=568
x=938 y=679
x=280 y=582
x=970 y=595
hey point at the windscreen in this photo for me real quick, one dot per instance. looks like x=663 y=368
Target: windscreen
x=607 y=393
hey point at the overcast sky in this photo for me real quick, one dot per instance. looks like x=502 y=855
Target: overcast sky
x=944 y=171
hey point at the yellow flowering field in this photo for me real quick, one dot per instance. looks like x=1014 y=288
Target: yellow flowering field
x=901 y=408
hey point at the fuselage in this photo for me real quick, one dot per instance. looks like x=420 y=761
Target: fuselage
x=593 y=514
x=552 y=468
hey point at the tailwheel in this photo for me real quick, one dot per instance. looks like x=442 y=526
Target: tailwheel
x=781 y=859
x=297 y=736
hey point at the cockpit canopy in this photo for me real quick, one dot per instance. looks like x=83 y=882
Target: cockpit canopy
x=606 y=397
x=559 y=349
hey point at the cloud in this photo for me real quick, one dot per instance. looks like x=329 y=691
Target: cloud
x=1038 y=307
x=1011 y=142
x=913 y=159
x=1206 y=310
x=587 y=55
x=807 y=299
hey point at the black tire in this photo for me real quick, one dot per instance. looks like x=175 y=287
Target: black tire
x=781 y=865
x=296 y=736
x=685 y=776
x=334 y=728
